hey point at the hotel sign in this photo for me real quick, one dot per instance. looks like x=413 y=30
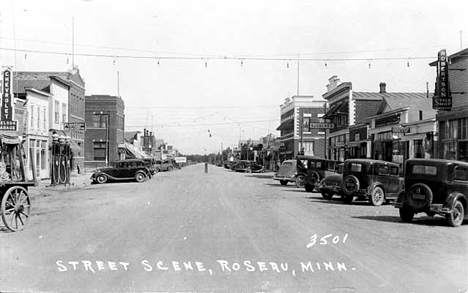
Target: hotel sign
x=442 y=98
x=7 y=104
x=322 y=125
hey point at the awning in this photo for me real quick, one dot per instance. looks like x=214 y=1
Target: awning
x=356 y=143
x=74 y=147
x=338 y=108
x=131 y=152
x=286 y=124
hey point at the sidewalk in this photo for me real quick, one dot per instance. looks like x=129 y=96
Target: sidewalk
x=77 y=181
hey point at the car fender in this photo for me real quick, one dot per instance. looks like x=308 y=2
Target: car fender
x=453 y=197
x=373 y=186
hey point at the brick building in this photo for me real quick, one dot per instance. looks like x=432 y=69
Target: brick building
x=298 y=115
x=105 y=124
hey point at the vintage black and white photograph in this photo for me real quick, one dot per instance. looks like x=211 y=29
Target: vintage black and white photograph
x=282 y=146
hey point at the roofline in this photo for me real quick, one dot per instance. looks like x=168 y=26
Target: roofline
x=26 y=89
x=399 y=110
x=458 y=55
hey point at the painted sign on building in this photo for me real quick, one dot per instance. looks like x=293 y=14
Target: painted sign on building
x=442 y=98
x=7 y=108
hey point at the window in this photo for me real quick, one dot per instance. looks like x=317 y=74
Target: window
x=355 y=167
x=44 y=116
x=394 y=170
x=425 y=170
x=460 y=173
x=32 y=116
x=64 y=112
x=38 y=117
x=418 y=149
x=383 y=170
x=99 y=151
x=100 y=121
x=56 y=111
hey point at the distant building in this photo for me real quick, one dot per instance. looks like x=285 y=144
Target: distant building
x=105 y=123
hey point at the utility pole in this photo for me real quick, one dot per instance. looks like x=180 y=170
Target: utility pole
x=73 y=43
x=298 y=58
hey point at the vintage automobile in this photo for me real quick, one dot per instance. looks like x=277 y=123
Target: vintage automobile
x=372 y=180
x=133 y=169
x=164 y=165
x=150 y=163
x=331 y=184
x=435 y=186
x=316 y=169
x=248 y=167
x=287 y=172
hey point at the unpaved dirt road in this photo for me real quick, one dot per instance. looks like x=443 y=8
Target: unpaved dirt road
x=190 y=231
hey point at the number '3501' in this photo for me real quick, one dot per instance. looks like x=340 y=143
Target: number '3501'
x=327 y=239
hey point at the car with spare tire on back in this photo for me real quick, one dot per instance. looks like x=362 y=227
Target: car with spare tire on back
x=374 y=180
x=317 y=168
x=435 y=187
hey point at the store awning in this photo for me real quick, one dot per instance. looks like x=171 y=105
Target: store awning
x=131 y=152
x=286 y=124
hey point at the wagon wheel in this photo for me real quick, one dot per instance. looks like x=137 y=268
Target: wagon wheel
x=16 y=208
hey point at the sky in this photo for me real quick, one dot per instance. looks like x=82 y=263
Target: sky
x=203 y=74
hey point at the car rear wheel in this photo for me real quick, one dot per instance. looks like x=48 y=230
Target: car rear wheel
x=101 y=179
x=309 y=188
x=327 y=194
x=406 y=215
x=378 y=196
x=455 y=218
x=284 y=182
x=140 y=177
x=300 y=180
x=348 y=199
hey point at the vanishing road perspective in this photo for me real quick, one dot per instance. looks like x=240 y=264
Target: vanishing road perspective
x=220 y=231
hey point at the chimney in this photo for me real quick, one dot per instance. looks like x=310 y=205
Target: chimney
x=333 y=82
x=383 y=87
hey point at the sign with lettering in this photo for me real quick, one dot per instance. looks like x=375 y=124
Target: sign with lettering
x=322 y=125
x=401 y=129
x=442 y=98
x=7 y=108
x=70 y=126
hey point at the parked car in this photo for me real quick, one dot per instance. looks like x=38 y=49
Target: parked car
x=435 y=186
x=122 y=170
x=248 y=167
x=331 y=184
x=316 y=169
x=228 y=164
x=287 y=172
x=150 y=163
x=372 y=180
x=164 y=165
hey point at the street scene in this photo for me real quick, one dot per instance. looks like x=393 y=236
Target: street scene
x=234 y=146
x=227 y=232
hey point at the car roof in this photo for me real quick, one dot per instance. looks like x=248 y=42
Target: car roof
x=370 y=161
x=129 y=160
x=437 y=161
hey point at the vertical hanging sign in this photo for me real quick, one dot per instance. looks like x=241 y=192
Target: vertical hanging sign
x=7 y=108
x=442 y=97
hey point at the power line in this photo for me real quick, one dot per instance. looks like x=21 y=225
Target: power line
x=206 y=58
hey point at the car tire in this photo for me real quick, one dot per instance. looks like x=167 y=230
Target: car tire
x=283 y=182
x=349 y=181
x=300 y=180
x=101 y=179
x=406 y=215
x=327 y=194
x=456 y=217
x=140 y=177
x=347 y=199
x=309 y=188
x=313 y=177
x=377 y=197
x=419 y=204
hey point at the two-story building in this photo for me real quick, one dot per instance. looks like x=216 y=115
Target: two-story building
x=451 y=102
x=300 y=131
x=105 y=124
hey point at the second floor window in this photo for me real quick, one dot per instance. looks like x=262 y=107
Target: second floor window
x=38 y=117
x=64 y=112
x=32 y=116
x=56 y=111
x=100 y=121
